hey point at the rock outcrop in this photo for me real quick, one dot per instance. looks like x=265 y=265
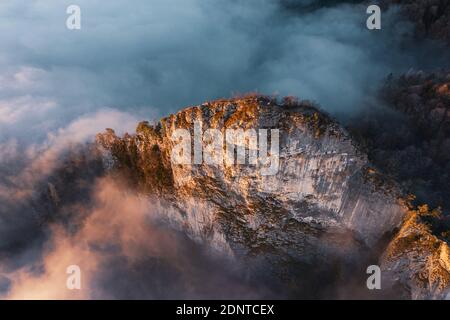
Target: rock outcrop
x=409 y=140
x=417 y=259
x=324 y=206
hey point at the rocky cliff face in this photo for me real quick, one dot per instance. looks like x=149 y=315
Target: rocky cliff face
x=418 y=259
x=324 y=208
x=408 y=140
x=418 y=256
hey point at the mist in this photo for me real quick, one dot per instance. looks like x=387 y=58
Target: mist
x=131 y=62
x=124 y=250
x=154 y=57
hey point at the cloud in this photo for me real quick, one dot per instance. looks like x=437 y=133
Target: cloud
x=123 y=238
x=40 y=159
x=29 y=170
x=130 y=62
x=169 y=55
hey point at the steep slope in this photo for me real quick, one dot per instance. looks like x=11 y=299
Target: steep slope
x=417 y=259
x=324 y=208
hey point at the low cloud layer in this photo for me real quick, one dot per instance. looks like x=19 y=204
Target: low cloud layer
x=142 y=60
x=125 y=251
x=154 y=57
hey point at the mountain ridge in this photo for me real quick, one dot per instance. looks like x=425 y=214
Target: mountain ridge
x=326 y=208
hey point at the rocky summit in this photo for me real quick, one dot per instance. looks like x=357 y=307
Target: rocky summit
x=325 y=210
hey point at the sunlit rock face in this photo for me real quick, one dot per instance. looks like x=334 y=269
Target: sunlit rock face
x=418 y=258
x=323 y=205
